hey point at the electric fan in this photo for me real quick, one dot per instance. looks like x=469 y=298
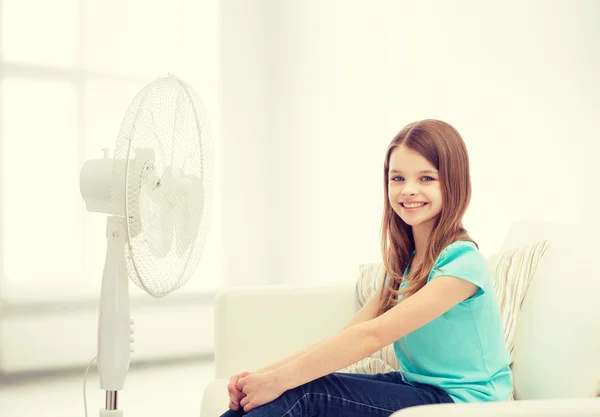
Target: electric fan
x=157 y=192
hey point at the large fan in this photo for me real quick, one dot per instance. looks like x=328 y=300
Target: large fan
x=157 y=193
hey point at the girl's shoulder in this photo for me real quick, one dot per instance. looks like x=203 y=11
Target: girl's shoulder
x=463 y=252
x=460 y=247
x=462 y=259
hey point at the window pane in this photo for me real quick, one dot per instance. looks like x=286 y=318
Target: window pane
x=144 y=38
x=41 y=32
x=105 y=105
x=43 y=208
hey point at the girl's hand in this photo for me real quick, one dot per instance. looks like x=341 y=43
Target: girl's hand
x=259 y=389
x=235 y=395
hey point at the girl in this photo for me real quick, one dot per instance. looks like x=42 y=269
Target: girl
x=437 y=305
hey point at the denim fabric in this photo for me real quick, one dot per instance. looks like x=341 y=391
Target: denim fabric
x=348 y=395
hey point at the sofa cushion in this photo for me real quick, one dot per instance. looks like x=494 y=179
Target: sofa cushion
x=557 y=341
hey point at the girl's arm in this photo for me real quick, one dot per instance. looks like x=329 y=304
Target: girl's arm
x=366 y=313
x=364 y=338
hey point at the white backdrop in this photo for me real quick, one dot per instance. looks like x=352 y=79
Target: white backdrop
x=314 y=91
x=304 y=97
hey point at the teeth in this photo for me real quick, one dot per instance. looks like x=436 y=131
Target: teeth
x=413 y=205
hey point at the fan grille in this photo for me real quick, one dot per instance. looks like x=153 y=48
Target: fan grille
x=165 y=139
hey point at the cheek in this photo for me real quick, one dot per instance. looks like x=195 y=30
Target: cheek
x=439 y=201
x=436 y=193
x=436 y=198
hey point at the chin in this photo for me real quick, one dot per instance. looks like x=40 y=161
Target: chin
x=417 y=222
x=411 y=222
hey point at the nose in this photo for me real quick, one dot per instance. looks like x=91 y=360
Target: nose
x=408 y=190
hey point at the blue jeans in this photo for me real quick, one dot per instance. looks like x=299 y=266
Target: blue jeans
x=348 y=395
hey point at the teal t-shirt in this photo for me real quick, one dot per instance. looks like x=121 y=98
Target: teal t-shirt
x=462 y=351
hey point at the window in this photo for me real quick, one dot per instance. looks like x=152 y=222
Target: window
x=67 y=74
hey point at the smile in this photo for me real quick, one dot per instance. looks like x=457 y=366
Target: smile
x=413 y=206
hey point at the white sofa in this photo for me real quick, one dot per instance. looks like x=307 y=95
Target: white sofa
x=557 y=343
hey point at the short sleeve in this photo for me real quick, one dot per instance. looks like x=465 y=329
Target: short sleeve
x=462 y=260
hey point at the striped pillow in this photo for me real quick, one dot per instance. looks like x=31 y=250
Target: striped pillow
x=369 y=279
x=511 y=273
x=368 y=366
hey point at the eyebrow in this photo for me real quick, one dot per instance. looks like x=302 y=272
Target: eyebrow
x=427 y=171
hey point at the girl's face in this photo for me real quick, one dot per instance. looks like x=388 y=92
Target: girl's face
x=414 y=190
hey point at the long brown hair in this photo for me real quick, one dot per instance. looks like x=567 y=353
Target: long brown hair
x=443 y=147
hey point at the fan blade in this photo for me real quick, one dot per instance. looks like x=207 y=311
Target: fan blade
x=190 y=214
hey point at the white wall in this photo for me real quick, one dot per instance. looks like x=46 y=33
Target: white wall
x=245 y=140
x=311 y=93
x=320 y=88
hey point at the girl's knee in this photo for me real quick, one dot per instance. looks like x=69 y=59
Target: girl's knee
x=287 y=402
x=300 y=399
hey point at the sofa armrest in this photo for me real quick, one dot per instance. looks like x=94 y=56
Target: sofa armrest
x=584 y=407
x=257 y=326
x=215 y=398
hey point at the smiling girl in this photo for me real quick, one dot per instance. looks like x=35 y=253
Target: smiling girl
x=437 y=305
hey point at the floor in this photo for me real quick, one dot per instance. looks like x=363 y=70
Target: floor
x=166 y=389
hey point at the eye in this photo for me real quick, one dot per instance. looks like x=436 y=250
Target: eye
x=430 y=178
x=397 y=178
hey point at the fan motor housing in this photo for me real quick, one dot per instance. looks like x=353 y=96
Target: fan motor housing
x=95 y=182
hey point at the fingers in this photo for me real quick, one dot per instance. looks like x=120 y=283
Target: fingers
x=247 y=404
x=234 y=403
x=234 y=380
x=232 y=386
x=235 y=393
x=241 y=383
x=232 y=389
x=234 y=399
x=233 y=406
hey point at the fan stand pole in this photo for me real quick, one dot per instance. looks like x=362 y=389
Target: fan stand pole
x=114 y=331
